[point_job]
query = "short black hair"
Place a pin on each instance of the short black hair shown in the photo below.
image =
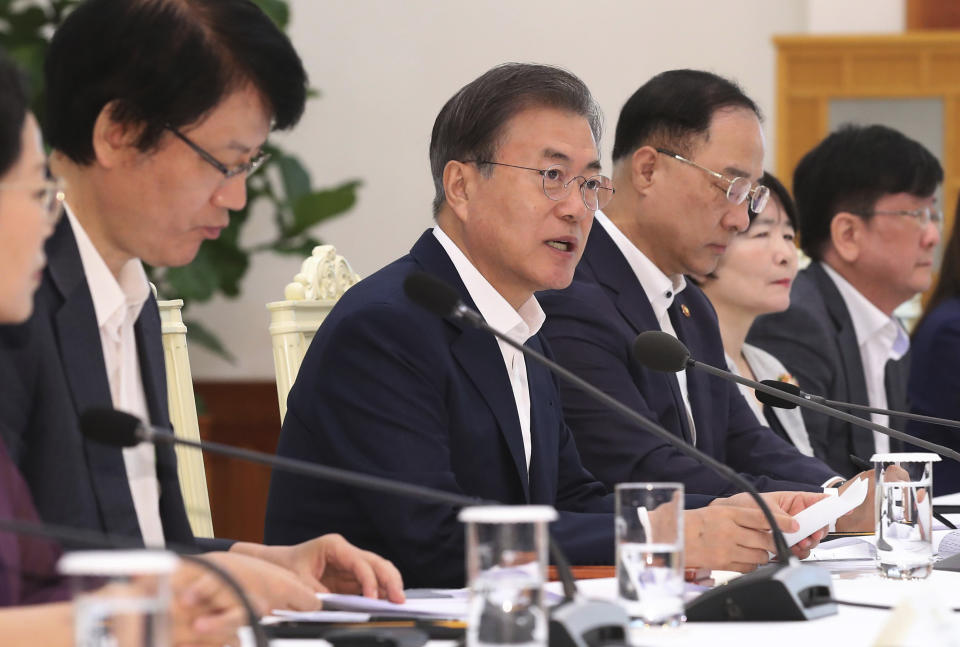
(672, 108)
(850, 170)
(13, 112)
(164, 62)
(471, 123)
(780, 193)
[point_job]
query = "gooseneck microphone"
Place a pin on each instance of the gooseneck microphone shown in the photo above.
(777, 401)
(573, 623)
(660, 351)
(784, 591)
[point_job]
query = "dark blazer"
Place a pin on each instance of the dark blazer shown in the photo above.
(934, 386)
(816, 341)
(591, 327)
(52, 369)
(390, 389)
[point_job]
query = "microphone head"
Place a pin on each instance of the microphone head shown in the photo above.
(660, 351)
(110, 427)
(775, 401)
(431, 293)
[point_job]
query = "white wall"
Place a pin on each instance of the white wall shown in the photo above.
(855, 16)
(385, 68)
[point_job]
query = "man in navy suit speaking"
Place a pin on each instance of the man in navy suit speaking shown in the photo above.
(688, 156)
(389, 389)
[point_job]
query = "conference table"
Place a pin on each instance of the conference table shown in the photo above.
(922, 613)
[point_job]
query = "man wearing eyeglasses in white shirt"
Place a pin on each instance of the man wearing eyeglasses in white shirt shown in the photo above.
(157, 112)
(870, 223)
(688, 157)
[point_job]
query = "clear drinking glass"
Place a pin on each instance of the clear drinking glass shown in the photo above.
(649, 534)
(904, 517)
(506, 568)
(121, 598)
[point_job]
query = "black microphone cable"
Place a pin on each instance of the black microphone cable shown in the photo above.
(118, 428)
(781, 591)
(660, 351)
(433, 294)
(776, 401)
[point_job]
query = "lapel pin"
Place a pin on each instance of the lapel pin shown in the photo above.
(684, 309)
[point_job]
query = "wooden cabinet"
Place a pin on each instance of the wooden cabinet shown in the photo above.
(812, 71)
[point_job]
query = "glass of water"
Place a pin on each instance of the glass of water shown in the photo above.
(904, 518)
(649, 535)
(121, 598)
(506, 568)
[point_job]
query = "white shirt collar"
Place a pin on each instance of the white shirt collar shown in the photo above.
(870, 324)
(520, 324)
(113, 300)
(659, 288)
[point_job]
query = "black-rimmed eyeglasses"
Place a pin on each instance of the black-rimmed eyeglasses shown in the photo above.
(596, 190)
(247, 167)
(738, 188)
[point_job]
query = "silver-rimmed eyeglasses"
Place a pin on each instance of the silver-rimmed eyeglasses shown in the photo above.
(596, 190)
(247, 167)
(49, 194)
(924, 215)
(738, 188)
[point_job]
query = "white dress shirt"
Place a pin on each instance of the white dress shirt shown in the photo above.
(660, 290)
(880, 338)
(118, 302)
(519, 325)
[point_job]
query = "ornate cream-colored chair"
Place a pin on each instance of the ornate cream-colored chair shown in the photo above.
(183, 415)
(322, 279)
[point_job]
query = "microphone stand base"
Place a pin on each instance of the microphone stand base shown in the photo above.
(587, 623)
(774, 592)
(951, 563)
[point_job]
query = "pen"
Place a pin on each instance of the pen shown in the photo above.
(859, 462)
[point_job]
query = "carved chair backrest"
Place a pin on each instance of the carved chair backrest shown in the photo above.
(323, 278)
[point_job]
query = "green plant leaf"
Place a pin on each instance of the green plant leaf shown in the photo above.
(278, 11)
(194, 283)
(200, 335)
(230, 264)
(320, 205)
(221, 264)
(26, 26)
(296, 179)
(302, 249)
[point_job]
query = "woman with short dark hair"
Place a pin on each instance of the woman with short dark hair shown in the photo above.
(754, 278)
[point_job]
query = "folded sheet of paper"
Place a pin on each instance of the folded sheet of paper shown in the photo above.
(826, 511)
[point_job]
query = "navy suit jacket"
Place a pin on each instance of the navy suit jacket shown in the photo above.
(591, 327)
(934, 386)
(52, 369)
(816, 341)
(390, 389)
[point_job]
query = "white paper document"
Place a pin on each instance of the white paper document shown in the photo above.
(450, 605)
(826, 511)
